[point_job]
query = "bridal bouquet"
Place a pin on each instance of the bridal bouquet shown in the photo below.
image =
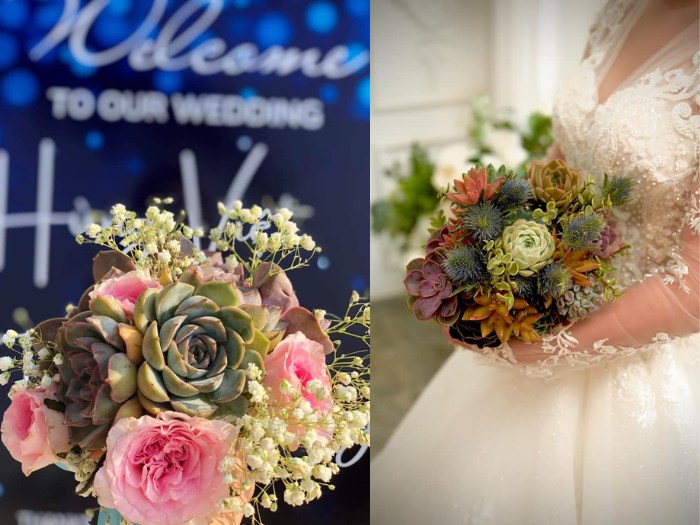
(189, 386)
(519, 254)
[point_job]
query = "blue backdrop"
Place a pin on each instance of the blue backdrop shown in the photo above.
(109, 101)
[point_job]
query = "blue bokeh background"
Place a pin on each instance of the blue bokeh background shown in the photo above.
(106, 163)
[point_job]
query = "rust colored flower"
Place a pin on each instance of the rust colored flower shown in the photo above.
(494, 315)
(473, 184)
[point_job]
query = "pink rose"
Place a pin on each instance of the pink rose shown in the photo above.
(32, 432)
(165, 470)
(125, 288)
(298, 360)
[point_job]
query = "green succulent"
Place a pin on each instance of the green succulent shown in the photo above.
(530, 245)
(197, 344)
(579, 302)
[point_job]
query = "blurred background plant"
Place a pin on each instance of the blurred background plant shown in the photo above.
(495, 136)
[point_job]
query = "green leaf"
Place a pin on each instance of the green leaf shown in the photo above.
(152, 351)
(196, 406)
(121, 377)
(145, 309)
(169, 298)
(230, 388)
(151, 385)
(238, 321)
(222, 293)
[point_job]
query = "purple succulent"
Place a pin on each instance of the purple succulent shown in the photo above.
(609, 241)
(430, 292)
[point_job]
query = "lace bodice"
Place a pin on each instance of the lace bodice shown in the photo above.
(648, 129)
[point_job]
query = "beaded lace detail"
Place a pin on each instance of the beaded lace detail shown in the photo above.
(649, 130)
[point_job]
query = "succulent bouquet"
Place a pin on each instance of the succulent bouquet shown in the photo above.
(188, 386)
(521, 253)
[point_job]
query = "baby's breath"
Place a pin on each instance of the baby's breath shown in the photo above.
(255, 236)
(154, 242)
(298, 465)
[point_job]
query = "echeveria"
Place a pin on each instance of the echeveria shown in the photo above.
(530, 244)
(197, 344)
(553, 181)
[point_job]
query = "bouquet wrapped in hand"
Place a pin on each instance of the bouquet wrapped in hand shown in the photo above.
(188, 386)
(520, 255)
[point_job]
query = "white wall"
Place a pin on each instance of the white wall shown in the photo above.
(429, 57)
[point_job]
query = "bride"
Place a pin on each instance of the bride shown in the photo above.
(600, 423)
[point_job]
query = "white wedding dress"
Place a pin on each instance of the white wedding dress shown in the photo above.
(606, 435)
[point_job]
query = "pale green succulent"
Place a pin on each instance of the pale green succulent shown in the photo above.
(530, 245)
(197, 344)
(579, 302)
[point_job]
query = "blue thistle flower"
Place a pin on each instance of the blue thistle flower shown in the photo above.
(483, 221)
(619, 189)
(465, 265)
(525, 287)
(554, 279)
(513, 194)
(582, 230)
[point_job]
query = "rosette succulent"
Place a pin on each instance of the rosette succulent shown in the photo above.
(530, 245)
(197, 344)
(430, 292)
(473, 186)
(553, 181)
(98, 374)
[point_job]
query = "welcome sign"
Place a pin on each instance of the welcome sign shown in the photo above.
(111, 101)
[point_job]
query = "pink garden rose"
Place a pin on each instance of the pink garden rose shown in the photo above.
(165, 470)
(125, 288)
(32, 432)
(298, 360)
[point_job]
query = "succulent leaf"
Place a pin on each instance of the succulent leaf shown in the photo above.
(220, 292)
(121, 377)
(151, 385)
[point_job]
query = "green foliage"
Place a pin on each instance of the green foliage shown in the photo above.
(537, 139)
(413, 198)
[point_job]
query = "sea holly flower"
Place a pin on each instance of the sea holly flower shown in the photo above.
(483, 221)
(465, 265)
(430, 292)
(582, 230)
(469, 190)
(553, 181)
(553, 280)
(530, 244)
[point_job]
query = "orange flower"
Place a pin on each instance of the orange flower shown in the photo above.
(469, 189)
(493, 313)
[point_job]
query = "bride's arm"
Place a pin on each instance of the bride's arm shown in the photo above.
(645, 310)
